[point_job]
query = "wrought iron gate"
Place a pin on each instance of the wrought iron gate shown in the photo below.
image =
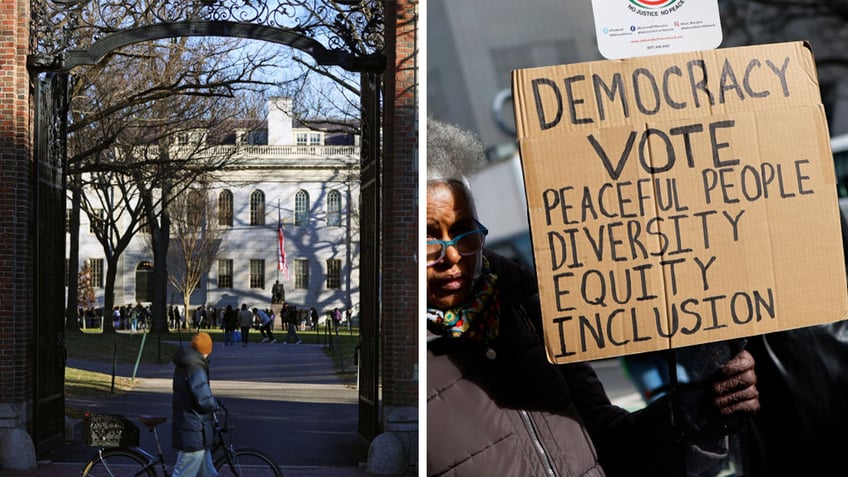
(354, 32)
(50, 93)
(369, 323)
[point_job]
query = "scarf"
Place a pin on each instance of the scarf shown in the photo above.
(477, 319)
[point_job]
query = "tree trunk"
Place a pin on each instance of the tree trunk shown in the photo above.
(71, 310)
(109, 295)
(161, 241)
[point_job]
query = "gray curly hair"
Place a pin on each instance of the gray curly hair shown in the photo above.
(453, 154)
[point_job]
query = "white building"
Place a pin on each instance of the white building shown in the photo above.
(288, 175)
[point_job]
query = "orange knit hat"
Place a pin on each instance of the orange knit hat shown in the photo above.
(202, 342)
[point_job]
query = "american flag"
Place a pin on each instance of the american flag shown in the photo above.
(281, 258)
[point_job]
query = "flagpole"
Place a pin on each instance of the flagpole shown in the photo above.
(279, 225)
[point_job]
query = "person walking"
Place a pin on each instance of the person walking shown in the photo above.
(290, 316)
(264, 325)
(337, 318)
(245, 318)
(230, 321)
(116, 317)
(192, 428)
(314, 316)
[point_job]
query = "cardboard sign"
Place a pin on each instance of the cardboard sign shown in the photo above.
(630, 28)
(679, 199)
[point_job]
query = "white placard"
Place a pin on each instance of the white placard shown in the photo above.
(631, 28)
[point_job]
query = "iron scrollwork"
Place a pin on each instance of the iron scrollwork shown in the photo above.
(353, 27)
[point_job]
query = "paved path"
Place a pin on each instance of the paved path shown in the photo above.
(284, 399)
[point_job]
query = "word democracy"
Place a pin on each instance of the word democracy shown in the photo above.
(597, 98)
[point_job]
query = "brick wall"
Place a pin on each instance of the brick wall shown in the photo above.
(16, 204)
(400, 318)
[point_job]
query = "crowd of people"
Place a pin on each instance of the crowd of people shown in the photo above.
(230, 319)
(236, 321)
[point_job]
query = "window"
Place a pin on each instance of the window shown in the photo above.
(96, 219)
(334, 209)
(301, 274)
(225, 208)
(225, 273)
(194, 211)
(67, 269)
(182, 139)
(334, 274)
(257, 273)
(301, 208)
(302, 138)
(68, 215)
(315, 139)
(257, 208)
(96, 265)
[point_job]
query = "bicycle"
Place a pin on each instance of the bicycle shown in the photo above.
(124, 459)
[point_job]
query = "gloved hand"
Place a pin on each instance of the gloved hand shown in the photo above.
(735, 386)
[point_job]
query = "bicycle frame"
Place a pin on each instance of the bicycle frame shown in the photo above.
(228, 450)
(151, 460)
(224, 455)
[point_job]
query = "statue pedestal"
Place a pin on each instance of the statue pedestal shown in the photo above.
(277, 308)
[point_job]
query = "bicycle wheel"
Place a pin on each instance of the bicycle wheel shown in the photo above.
(247, 463)
(118, 463)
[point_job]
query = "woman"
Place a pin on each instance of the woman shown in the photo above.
(230, 322)
(495, 405)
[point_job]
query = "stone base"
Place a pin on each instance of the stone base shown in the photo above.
(396, 450)
(278, 320)
(17, 451)
(387, 455)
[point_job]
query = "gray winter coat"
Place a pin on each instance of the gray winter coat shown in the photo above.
(518, 415)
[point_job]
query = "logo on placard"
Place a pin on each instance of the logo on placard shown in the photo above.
(654, 8)
(652, 4)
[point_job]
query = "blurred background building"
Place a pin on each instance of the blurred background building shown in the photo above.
(473, 45)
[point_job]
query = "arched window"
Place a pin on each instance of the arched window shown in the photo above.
(301, 208)
(334, 209)
(194, 209)
(225, 208)
(257, 208)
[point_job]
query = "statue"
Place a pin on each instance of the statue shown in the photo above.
(278, 293)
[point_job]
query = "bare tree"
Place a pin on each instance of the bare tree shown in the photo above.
(145, 127)
(329, 96)
(114, 210)
(197, 240)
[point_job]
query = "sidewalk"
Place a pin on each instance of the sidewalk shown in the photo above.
(74, 470)
(283, 399)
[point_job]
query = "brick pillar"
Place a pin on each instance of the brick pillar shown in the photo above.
(400, 320)
(16, 239)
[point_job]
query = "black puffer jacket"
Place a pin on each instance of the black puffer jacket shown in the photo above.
(192, 428)
(519, 415)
